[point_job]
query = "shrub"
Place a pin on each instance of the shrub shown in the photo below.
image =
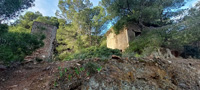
(92, 67)
(94, 52)
(3, 28)
(121, 23)
(174, 37)
(17, 45)
(145, 43)
(191, 51)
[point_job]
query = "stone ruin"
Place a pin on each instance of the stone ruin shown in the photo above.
(45, 52)
(121, 41)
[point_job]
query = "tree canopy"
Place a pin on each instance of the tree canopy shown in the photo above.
(86, 19)
(12, 8)
(142, 11)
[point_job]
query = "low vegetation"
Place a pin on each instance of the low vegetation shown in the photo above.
(14, 46)
(94, 52)
(180, 37)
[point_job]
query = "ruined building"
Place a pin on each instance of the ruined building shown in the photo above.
(45, 52)
(121, 41)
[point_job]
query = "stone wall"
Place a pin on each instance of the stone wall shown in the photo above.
(121, 41)
(45, 52)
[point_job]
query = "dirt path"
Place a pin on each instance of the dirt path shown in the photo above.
(31, 76)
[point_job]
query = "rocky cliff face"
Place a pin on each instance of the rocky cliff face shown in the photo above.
(45, 52)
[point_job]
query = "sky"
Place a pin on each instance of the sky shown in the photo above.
(49, 7)
(188, 5)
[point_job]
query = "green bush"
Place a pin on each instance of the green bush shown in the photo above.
(191, 51)
(122, 23)
(94, 52)
(146, 43)
(3, 28)
(92, 67)
(15, 46)
(174, 37)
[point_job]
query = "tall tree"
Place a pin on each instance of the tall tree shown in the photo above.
(12, 8)
(86, 20)
(25, 22)
(143, 11)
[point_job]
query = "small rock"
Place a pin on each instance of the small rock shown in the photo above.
(78, 64)
(14, 86)
(46, 69)
(115, 57)
(2, 67)
(3, 80)
(183, 85)
(170, 61)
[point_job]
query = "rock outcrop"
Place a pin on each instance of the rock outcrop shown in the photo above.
(45, 52)
(121, 41)
(132, 74)
(162, 53)
(111, 74)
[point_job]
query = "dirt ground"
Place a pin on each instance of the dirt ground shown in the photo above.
(30, 76)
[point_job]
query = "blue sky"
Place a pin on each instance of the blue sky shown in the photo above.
(189, 4)
(49, 7)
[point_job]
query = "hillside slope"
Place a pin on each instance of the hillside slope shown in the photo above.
(115, 74)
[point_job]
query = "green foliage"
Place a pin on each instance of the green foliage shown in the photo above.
(94, 52)
(60, 73)
(77, 71)
(99, 69)
(145, 12)
(70, 42)
(69, 76)
(82, 69)
(26, 21)
(93, 67)
(191, 51)
(82, 21)
(65, 70)
(149, 39)
(122, 23)
(17, 45)
(55, 84)
(176, 37)
(12, 8)
(3, 28)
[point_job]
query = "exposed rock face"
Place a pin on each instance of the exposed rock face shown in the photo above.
(45, 52)
(133, 74)
(162, 53)
(121, 40)
(115, 74)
